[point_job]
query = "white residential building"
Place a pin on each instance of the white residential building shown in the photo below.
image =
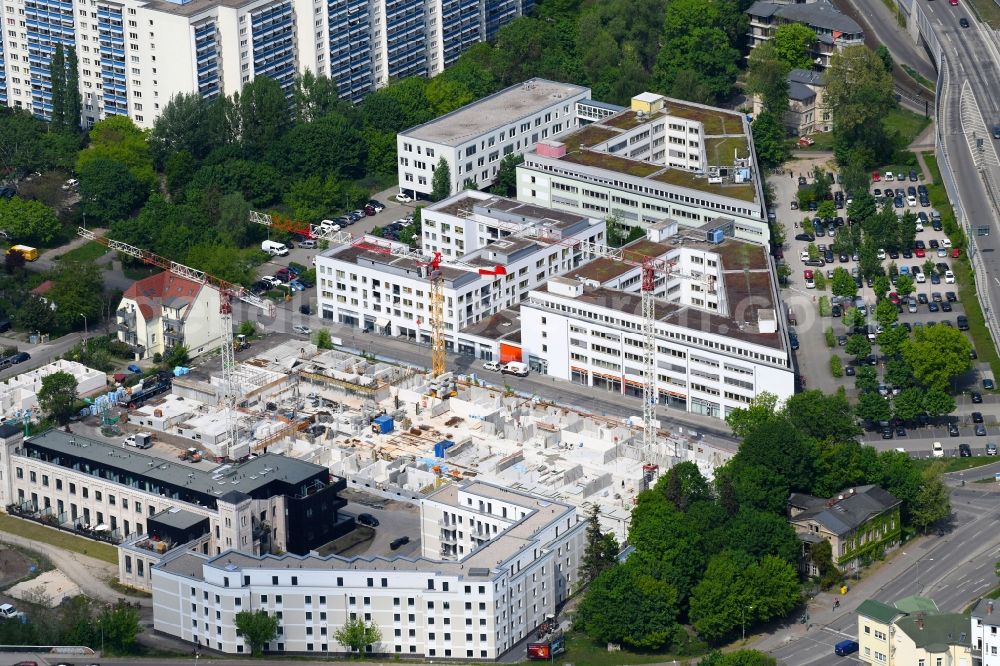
(164, 310)
(20, 392)
(720, 336)
(149, 505)
(389, 295)
(475, 138)
(661, 159)
(134, 55)
(494, 563)
(985, 633)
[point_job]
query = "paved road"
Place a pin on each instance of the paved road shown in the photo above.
(954, 569)
(973, 61)
(41, 354)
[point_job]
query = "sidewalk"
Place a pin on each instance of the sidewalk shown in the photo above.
(821, 610)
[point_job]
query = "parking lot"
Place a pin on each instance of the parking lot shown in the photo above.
(937, 304)
(393, 211)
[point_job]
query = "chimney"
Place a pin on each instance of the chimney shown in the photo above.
(989, 607)
(920, 621)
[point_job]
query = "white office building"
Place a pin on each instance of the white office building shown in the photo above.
(720, 336)
(495, 250)
(475, 138)
(134, 55)
(494, 563)
(660, 159)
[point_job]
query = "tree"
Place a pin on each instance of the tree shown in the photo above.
(13, 262)
(684, 485)
(117, 139)
(601, 551)
(119, 626)
(758, 533)
(858, 345)
(631, 603)
(891, 341)
(883, 53)
(820, 415)
(859, 97)
(28, 221)
(57, 78)
(908, 230)
(932, 503)
(357, 635)
(74, 103)
(843, 283)
(34, 314)
(937, 402)
(698, 65)
(868, 261)
(827, 210)
(57, 396)
(326, 146)
(323, 339)
(793, 43)
(937, 354)
(777, 445)
(738, 658)
(445, 95)
(263, 116)
(441, 180)
(909, 404)
(313, 97)
(904, 285)
(866, 380)
(886, 313)
(75, 291)
(767, 77)
(873, 407)
(821, 556)
(769, 138)
(746, 419)
(175, 356)
(506, 183)
(258, 628)
(185, 125)
(109, 191)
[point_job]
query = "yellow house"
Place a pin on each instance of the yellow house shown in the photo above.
(931, 640)
(875, 621)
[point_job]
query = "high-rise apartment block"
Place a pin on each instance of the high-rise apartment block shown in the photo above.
(134, 55)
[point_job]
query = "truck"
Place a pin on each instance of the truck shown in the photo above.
(148, 388)
(515, 368)
(191, 455)
(274, 248)
(140, 440)
(29, 253)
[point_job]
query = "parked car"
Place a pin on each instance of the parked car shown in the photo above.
(937, 450)
(844, 648)
(492, 365)
(396, 544)
(403, 198)
(988, 384)
(964, 451)
(991, 449)
(980, 430)
(977, 397)
(368, 519)
(302, 330)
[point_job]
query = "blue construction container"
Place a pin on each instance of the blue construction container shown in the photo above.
(383, 424)
(441, 447)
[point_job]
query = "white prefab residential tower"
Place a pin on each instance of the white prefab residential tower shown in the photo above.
(134, 55)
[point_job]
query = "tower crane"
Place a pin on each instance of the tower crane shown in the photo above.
(313, 231)
(227, 292)
(435, 276)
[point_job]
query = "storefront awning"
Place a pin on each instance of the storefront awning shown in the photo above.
(381, 322)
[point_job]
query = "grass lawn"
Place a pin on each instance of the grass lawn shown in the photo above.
(918, 77)
(988, 11)
(58, 538)
(86, 253)
(582, 650)
(905, 125)
(964, 276)
(956, 464)
(138, 272)
(824, 142)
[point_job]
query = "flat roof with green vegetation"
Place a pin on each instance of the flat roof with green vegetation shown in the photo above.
(722, 150)
(715, 121)
(613, 163)
(590, 135)
(681, 178)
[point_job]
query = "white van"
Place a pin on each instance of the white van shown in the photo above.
(141, 440)
(274, 248)
(327, 226)
(515, 368)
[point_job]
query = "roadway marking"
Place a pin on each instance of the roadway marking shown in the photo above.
(838, 632)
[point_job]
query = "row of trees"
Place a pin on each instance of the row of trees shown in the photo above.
(720, 555)
(77, 621)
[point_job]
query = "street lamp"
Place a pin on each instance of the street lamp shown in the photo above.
(743, 620)
(85, 335)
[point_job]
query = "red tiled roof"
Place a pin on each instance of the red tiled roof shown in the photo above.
(161, 289)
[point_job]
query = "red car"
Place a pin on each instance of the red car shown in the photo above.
(956, 253)
(919, 252)
(894, 298)
(876, 176)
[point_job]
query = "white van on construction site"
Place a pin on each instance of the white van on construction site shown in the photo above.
(140, 440)
(274, 248)
(515, 368)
